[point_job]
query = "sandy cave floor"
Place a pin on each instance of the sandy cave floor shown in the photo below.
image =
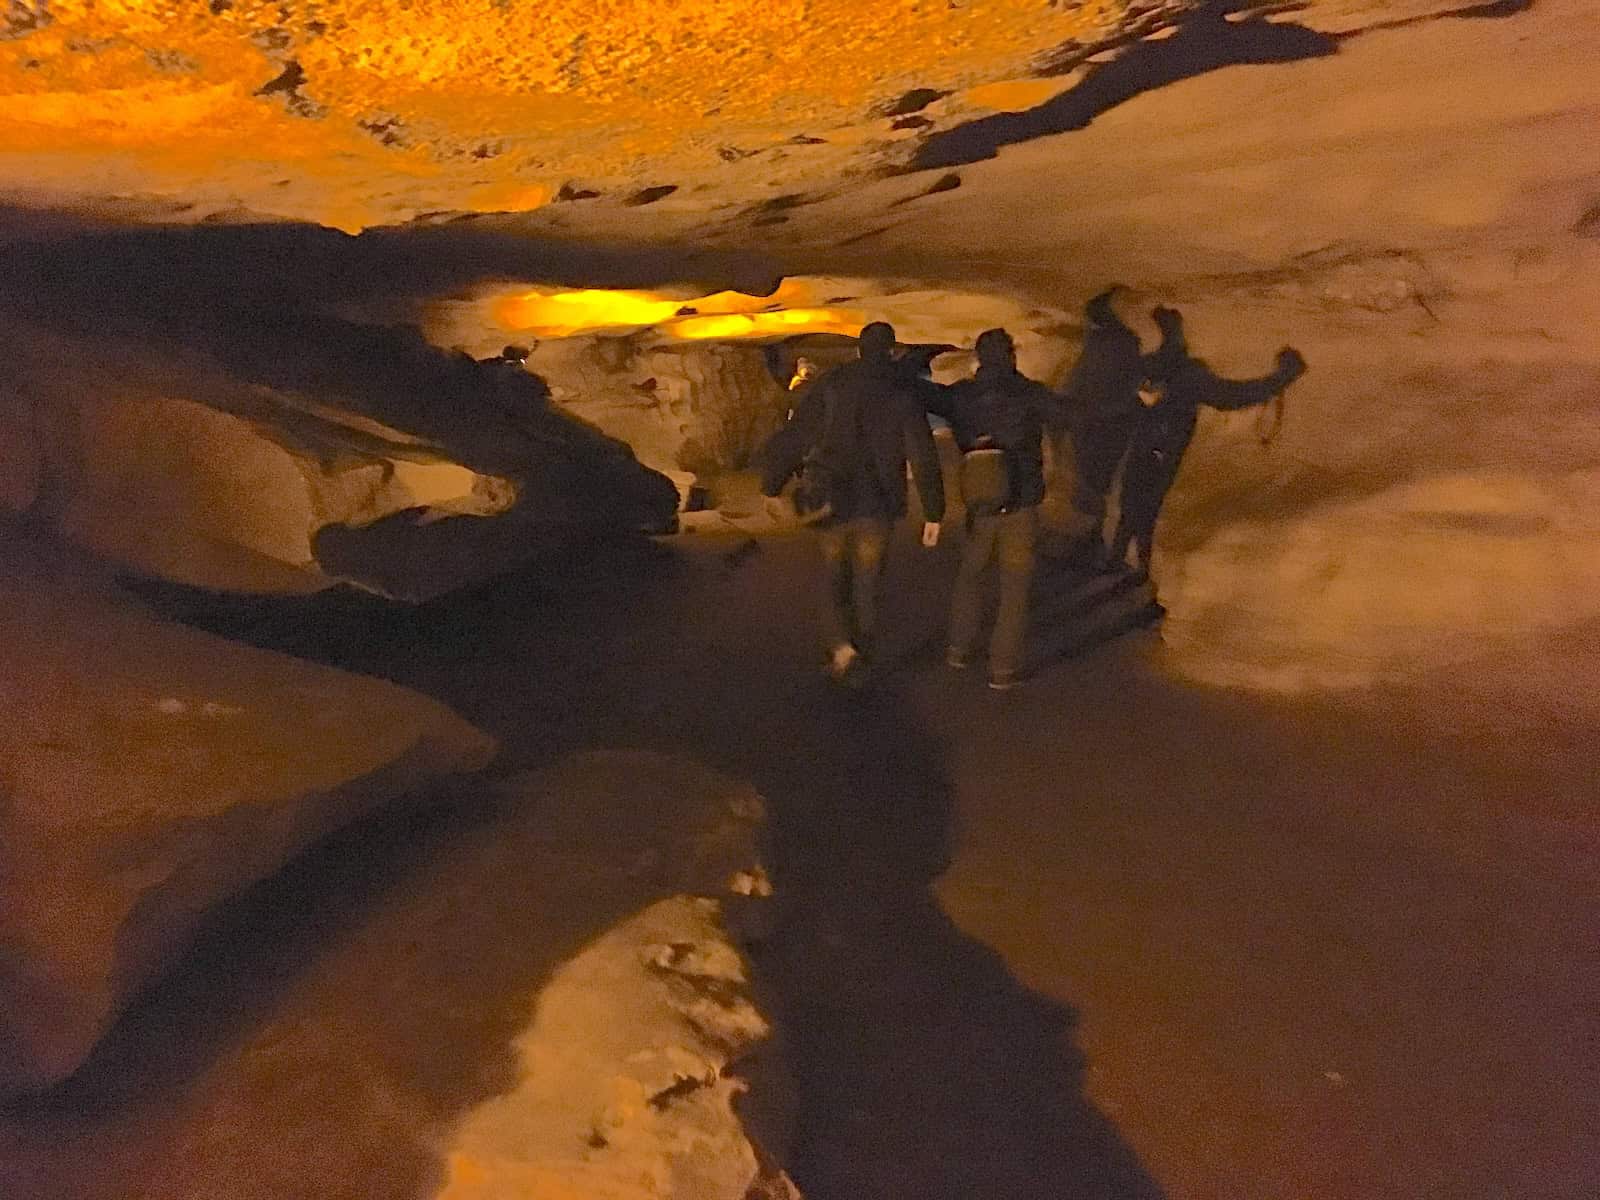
(1107, 936)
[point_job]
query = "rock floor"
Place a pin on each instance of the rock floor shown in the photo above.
(1107, 936)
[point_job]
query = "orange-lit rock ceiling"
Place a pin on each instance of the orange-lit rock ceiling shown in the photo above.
(354, 112)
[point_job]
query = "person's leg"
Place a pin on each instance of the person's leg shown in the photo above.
(966, 601)
(1016, 535)
(836, 614)
(869, 542)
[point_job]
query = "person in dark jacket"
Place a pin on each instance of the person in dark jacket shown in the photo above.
(860, 423)
(999, 408)
(1103, 395)
(1176, 385)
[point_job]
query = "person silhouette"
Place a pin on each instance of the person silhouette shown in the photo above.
(1175, 385)
(1102, 395)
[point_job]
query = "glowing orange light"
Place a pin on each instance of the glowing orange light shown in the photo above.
(556, 314)
(763, 324)
(561, 314)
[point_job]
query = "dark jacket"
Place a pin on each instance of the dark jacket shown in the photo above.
(1102, 395)
(868, 418)
(1104, 385)
(1163, 431)
(1189, 383)
(1003, 408)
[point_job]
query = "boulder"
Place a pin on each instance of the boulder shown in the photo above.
(184, 467)
(149, 772)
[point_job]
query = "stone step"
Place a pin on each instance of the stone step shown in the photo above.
(1063, 594)
(1098, 610)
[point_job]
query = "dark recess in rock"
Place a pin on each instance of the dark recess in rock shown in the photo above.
(1588, 225)
(682, 1087)
(915, 100)
(1494, 9)
(782, 203)
(912, 123)
(218, 7)
(389, 130)
(568, 192)
(287, 83)
(945, 183)
(801, 139)
(650, 195)
(771, 219)
(22, 18)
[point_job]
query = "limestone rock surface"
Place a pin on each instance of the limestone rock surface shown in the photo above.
(150, 772)
(538, 990)
(221, 467)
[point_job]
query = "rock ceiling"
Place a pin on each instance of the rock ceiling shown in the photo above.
(354, 113)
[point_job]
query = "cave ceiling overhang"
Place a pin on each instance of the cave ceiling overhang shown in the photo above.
(356, 113)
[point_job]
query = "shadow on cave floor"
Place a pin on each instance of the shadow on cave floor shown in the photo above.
(924, 1068)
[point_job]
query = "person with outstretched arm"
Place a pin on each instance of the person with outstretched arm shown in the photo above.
(1176, 385)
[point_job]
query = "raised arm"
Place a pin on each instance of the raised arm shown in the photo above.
(1231, 395)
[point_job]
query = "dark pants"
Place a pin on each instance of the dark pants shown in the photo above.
(853, 551)
(1146, 480)
(1098, 447)
(1009, 539)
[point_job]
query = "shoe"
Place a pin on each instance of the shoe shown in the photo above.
(1004, 681)
(957, 660)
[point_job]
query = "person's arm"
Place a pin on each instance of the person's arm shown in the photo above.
(785, 450)
(923, 454)
(1231, 395)
(937, 398)
(1051, 408)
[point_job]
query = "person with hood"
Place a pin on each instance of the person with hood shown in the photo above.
(850, 439)
(1103, 395)
(998, 410)
(1176, 384)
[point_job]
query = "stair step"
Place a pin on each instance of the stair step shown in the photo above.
(1107, 616)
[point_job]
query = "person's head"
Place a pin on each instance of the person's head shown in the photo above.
(877, 342)
(1099, 311)
(515, 355)
(995, 349)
